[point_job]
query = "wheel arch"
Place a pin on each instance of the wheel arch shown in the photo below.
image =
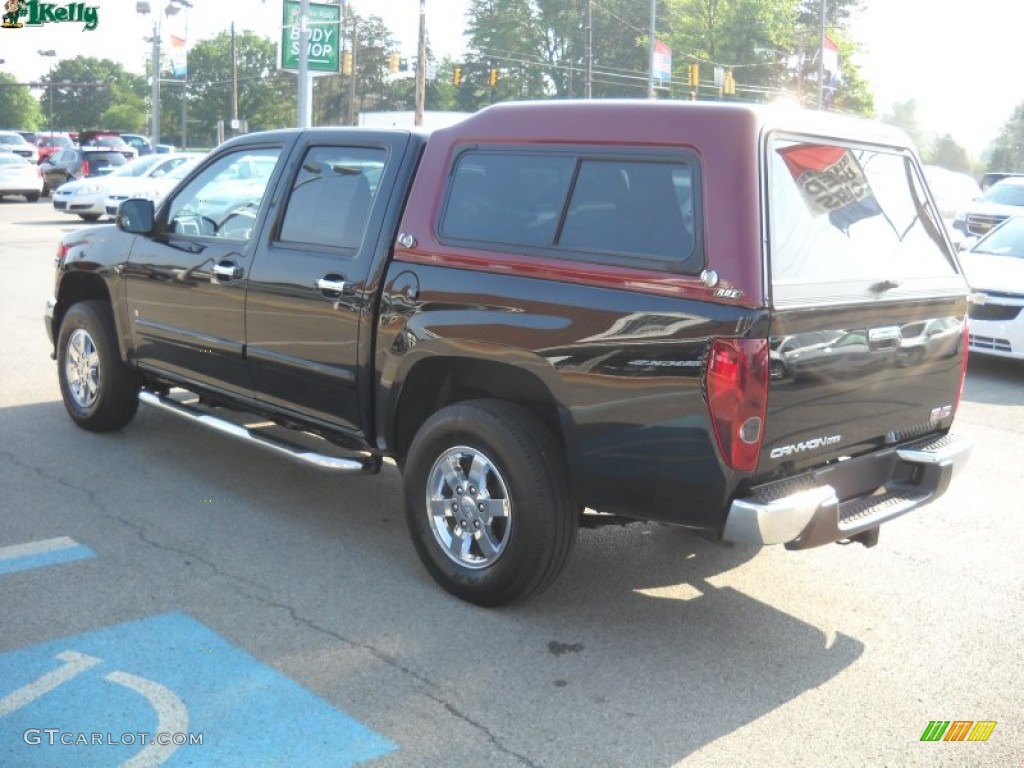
(436, 382)
(77, 286)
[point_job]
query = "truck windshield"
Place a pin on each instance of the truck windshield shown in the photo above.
(848, 223)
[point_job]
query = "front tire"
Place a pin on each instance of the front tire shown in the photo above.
(488, 503)
(100, 392)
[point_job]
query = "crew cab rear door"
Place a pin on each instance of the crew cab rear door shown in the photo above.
(312, 291)
(868, 304)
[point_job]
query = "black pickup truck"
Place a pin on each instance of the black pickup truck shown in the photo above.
(710, 316)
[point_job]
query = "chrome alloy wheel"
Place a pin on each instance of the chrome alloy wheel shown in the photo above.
(82, 366)
(469, 507)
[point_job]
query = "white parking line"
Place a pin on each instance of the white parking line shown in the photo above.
(36, 554)
(74, 665)
(172, 717)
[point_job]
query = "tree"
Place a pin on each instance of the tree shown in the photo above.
(904, 115)
(771, 46)
(17, 105)
(751, 37)
(1007, 151)
(266, 96)
(84, 89)
(949, 154)
(370, 78)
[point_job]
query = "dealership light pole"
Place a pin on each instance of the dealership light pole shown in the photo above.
(143, 7)
(421, 66)
(52, 54)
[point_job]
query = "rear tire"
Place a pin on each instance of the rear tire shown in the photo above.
(32, 197)
(487, 502)
(100, 392)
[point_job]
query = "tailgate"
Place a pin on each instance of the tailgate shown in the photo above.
(847, 381)
(867, 337)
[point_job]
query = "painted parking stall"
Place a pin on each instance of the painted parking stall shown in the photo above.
(38, 554)
(166, 690)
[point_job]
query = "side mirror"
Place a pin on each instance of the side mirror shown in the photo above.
(136, 216)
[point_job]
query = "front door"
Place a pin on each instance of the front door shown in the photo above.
(185, 285)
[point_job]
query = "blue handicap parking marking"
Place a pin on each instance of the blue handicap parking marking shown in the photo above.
(37, 554)
(103, 698)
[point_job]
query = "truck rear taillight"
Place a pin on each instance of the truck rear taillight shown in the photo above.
(85, 167)
(737, 386)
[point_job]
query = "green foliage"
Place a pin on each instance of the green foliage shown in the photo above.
(18, 109)
(266, 96)
(770, 45)
(84, 89)
(948, 154)
(904, 115)
(126, 117)
(331, 94)
(1007, 152)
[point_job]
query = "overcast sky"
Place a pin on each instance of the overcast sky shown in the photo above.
(962, 68)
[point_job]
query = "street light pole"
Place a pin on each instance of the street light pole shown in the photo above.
(142, 7)
(650, 57)
(421, 67)
(303, 75)
(821, 58)
(52, 54)
(155, 92)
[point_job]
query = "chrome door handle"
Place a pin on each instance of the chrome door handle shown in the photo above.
(329, 285)
(226, 270)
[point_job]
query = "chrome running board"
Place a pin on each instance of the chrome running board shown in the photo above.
(350, 465)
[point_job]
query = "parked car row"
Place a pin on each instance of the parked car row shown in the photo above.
(39, 146)
(86, 196)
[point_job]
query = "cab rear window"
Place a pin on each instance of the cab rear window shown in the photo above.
(848, 223)
(634, 210)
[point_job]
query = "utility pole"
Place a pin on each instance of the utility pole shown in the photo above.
(421, 66)
(650, 58)
(304, 87)
(234, 79)
(352, 115)
(155, 94)
(821, 58)
(588, 53)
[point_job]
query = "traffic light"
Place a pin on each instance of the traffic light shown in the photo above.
(457, 76)
(693, 78)
(729, 85)
(346, 63)
(393, 60)
(492, 78)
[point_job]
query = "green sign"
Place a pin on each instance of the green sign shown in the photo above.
(324, 37)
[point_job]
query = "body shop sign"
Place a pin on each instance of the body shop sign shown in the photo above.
(324, 37)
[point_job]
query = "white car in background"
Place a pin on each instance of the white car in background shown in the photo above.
(953, 192)
(150, 187)
(995, 269)
(19, 176)
(999, 202)
(86, 197)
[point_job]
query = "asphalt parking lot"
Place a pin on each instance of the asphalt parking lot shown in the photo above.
(166, 580)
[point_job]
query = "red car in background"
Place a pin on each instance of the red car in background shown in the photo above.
(48, 143)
